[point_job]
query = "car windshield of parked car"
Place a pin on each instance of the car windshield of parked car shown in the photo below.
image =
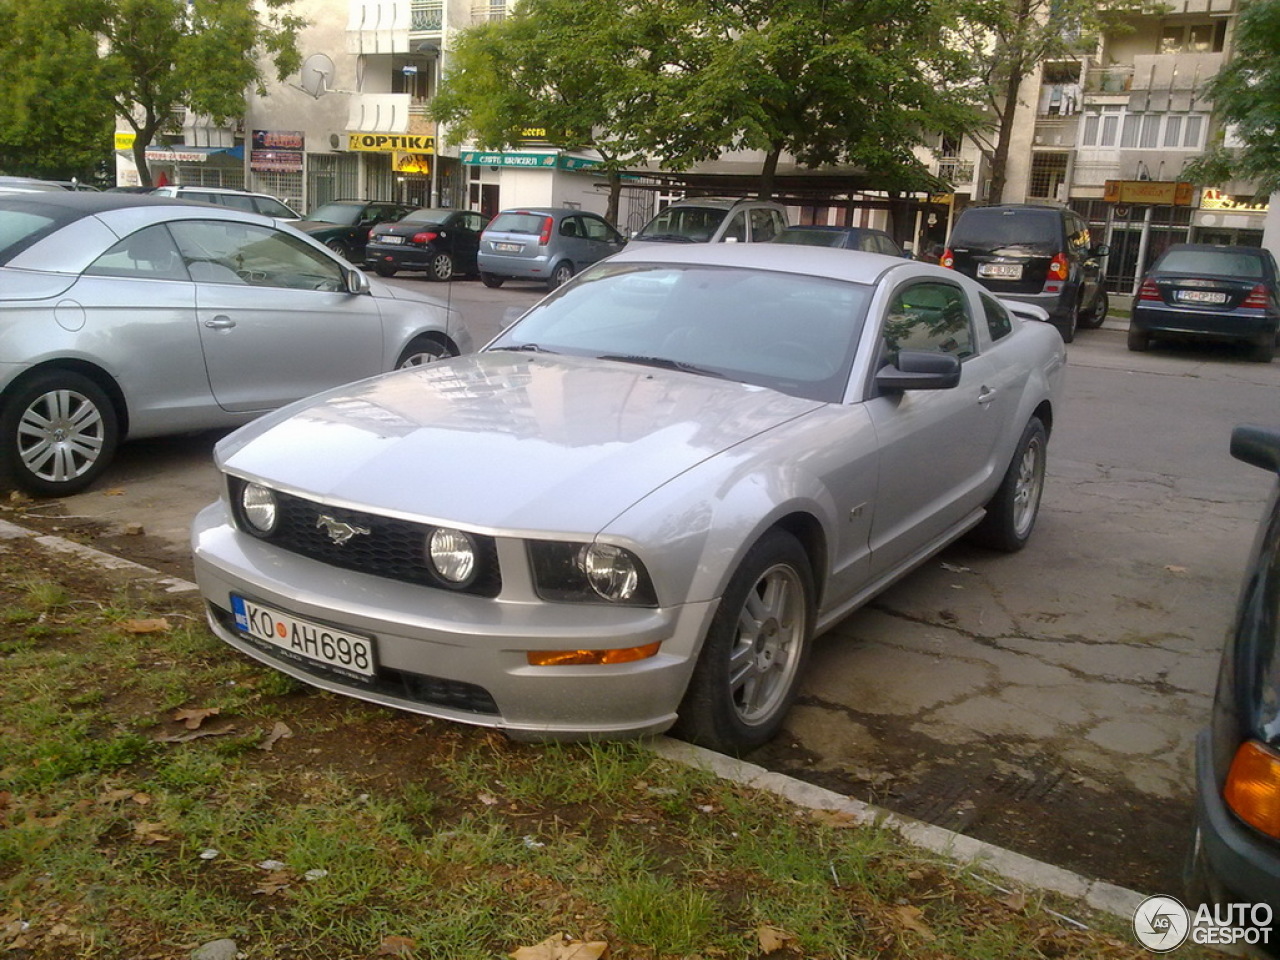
(683, 225)
(1212, 263)
(344, 214)
(810, 238)
(791, 333)
(1032, 231)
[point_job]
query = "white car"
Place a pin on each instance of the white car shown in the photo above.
(635, 508)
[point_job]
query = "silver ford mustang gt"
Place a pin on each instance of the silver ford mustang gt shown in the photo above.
(635, 508)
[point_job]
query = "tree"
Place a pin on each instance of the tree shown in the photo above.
(139, 59)
(1246, 95)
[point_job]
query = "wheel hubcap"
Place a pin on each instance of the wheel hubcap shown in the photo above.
(60, 436)
(766, 652)
(1026, 492)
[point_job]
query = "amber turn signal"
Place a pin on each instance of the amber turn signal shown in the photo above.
(574, 658)
(1252, 790)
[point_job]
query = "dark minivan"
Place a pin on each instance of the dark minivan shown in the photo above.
(1037, 254)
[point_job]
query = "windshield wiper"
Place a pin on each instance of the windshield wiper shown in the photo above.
(666, 363)
(523, 347)
(666, 237)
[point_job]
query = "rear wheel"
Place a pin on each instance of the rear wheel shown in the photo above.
(489, 280)
(1011, 514)
(58, 432)
(1138, 340)
(421, 351)
(441, 267)
(1094, 319)
(561, 275)
(1264, 351)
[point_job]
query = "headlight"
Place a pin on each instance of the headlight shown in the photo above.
(453, 555)
(258, 507)
(589, 572)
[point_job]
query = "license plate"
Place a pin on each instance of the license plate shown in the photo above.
(1000, 271)
(391, 238)
(1199, 296)
(508, 247)
(303, 639)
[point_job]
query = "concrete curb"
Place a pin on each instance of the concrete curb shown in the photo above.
(1108, 898)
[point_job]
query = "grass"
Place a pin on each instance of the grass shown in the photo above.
(151, 802)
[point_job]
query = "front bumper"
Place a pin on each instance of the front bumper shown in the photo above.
(461, 657)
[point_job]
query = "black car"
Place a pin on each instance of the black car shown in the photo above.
(1236, 853)
(343, 225)
(441, 242)
(846, 238)
(1209, 292)
(1037, 254)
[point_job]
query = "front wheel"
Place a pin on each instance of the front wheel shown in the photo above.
(751, 659)
(421, 351)
(561, 275)
(58, 432)
(340, 248)
(441, 267)
(489, 280)
(1011, 514)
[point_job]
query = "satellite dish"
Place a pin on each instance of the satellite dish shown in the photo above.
(316, 75)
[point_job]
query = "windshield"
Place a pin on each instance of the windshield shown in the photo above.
(1036, 231)
(341, 213)
(683, 224)
(795, 334)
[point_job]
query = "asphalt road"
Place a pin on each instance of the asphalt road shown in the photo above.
(1046, 701)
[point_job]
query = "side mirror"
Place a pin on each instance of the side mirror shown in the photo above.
(1100, 250)
(920, 370)
(1256, 446)
(357, 282)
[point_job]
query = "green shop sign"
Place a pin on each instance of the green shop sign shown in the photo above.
(539, 161)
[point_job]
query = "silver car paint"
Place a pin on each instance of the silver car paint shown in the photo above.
(732, 462)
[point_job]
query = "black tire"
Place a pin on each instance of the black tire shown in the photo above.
(441, 267)
(1011, 514)
(560, 275)
(423, 350)
(58, 432)
(489, 280)
(1264, 351)
(385, 270)
(754, 651)
(1095, 318)
(1138, 339)
(1067, 328)
(340, 248)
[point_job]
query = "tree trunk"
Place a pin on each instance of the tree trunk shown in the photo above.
(615, 195)
(1012, 89)
(769, 173)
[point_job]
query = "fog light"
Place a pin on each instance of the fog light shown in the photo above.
(1252, 790)
(258, 507)
(576, 658)
(453, 555)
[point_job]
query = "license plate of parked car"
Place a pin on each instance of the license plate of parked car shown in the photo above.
(1201, 296)
(303, 638)
(1000, 271)
(391, 239)
(507, 247)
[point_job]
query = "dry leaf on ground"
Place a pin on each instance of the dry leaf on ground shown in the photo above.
(155, 625)
(395, 947)
(772, 939)
(559, 947)
(911, 918)
(278, 732)
(192, 717)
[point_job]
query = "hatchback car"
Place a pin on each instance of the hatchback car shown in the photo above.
(1037, 254)
(550, 244)
(715, 220)
(441, 242)
(127, 316)
(343, 225)
(1206, 292)
(1235, 856)
(261, 203)
(846, 238)
(636, 507)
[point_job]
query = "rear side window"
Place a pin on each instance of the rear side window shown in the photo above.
(998, 322)
(1033, 231)
(1214, 263)
(18, 226)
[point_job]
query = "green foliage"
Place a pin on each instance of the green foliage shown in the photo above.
(70, 67)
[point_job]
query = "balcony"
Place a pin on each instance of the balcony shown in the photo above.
(426, 17)
(1108, 80)
(955, 171)
(491, 10)
(1175, 72)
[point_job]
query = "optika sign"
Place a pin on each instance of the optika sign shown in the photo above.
(1162, 924)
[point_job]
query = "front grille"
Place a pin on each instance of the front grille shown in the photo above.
(402, 684)
(392, 548)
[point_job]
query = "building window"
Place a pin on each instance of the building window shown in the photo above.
(1048, 173)
(1193, 37)
(1151, 131)
(1101, 127)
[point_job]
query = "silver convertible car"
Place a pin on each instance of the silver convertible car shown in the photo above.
(635, 508)
(125, 316)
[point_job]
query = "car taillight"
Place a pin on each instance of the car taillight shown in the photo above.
(1258, 298)
(1059, 267)
(425, 237)
(547, 224)
(948, 260)
(1149, 291)
(1252, 790)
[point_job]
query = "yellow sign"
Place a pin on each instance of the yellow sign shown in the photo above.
(391, 142)
(410, 163)
(124, 141)
(1217, 200)
(1175, 193)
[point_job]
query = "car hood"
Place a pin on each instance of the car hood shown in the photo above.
(504, 441)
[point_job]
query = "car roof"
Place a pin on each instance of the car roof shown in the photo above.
(826, 228)
(852, 265)
(1250, 251)
(725, 202)
(87, 202)
(547, 211)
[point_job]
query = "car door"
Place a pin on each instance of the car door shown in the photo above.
(276, 322)
(596, 239)
(464, 230)
(935, 445)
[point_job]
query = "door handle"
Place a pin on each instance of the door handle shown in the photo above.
(220, 322)
(986, 395)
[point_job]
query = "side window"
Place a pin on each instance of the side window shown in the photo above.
(867, 242)
(737, 228)
(928, 316)
(1078, 235)
(475, 222)
(217, 251)
(598, 230)
(236, 202)
(273, 208)
(149, 254)
(571, 227)
(998, 322)
(888, 247)
(764, 226)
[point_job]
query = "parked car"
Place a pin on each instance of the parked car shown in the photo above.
(261, 203)
(28, 185)
(1037, 254)
(1235, 855)
(441, 242)
(1205, 292)
(129, 316)
(343, 225)
(715, 220)
(846, 238)
(550, 244)
(636, 507)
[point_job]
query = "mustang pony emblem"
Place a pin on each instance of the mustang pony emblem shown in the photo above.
(339, 532)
